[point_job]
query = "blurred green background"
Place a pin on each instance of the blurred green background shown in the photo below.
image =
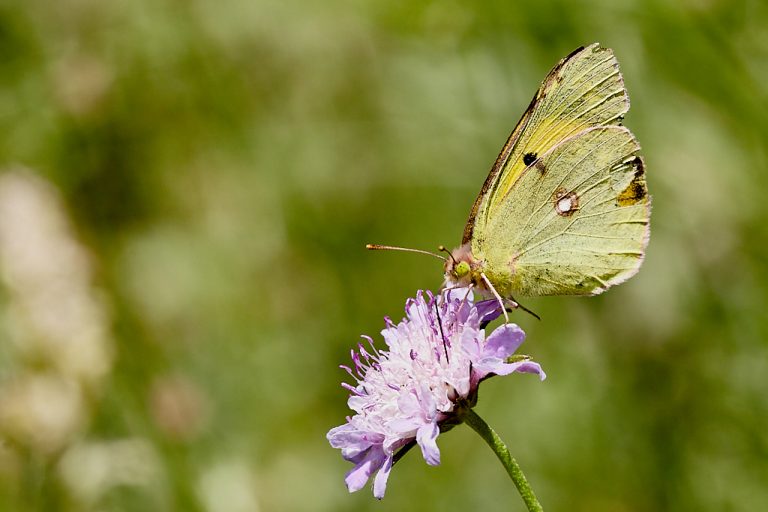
(186, 190)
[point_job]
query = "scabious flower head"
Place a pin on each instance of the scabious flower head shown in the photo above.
(435, 359)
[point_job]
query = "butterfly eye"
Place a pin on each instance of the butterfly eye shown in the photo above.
(461, 269)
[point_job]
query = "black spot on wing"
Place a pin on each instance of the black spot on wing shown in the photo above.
(529, 158)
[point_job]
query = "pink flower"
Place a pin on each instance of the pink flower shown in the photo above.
(433, 362)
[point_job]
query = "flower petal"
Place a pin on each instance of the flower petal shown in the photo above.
(504, 341)
(404, 426)
(460, 294)
(522, 367)
(357, 477)
(488, 310)
(380, 482)
(409, 405)
(352, 441)
(531, 367)
(426, 436)
(472, 344)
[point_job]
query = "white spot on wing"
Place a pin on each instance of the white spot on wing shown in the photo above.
(565, 202)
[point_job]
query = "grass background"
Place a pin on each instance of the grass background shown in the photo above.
(225, 162)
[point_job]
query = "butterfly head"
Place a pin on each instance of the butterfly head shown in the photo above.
(461, 268)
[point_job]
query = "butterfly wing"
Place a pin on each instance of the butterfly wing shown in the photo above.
(584, 89)
(574, 223)
(565, 209)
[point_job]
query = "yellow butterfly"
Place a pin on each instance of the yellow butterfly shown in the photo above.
(565, 209)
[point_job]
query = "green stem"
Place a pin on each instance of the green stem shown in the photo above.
(501, 451)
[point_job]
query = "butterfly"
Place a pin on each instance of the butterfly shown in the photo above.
(565, 208)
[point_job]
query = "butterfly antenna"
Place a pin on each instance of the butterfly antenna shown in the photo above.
(441, 248)
(377, 247)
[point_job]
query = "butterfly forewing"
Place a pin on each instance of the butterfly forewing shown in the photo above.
(584, 90)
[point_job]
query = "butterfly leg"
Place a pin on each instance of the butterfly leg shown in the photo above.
(496, 294)
(513, 304)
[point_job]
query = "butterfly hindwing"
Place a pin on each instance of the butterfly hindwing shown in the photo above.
(575, 222)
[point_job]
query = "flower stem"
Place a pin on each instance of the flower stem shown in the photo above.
(501, 451)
